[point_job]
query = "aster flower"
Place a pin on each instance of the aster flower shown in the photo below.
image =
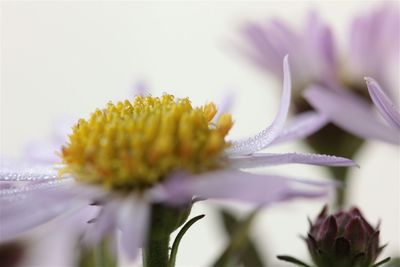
(373, 48)
(331, 80)
(142, 162)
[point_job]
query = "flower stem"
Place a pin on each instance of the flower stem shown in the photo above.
(164, 220)
(156, 253)
(340, 175)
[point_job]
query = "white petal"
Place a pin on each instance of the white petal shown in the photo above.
(268, 135)
(270, 159)
(133, 221)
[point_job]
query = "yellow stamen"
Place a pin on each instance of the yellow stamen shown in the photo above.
(134, 145)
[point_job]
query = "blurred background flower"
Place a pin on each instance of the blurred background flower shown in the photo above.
(331, 78)
(87, 53)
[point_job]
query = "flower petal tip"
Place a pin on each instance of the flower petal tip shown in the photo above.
(350, 163)
(370, 81)
(286, 59)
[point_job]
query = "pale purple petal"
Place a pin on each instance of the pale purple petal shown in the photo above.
(268, 135)
(34, 210)
(320, 49)
(29, 204)
(374, 44)
(104, 223)
(21, 191)
(47, 152)
(312, 50)
(328, 50)
(134, 216)
(350, 113)
(240, 186)
(57, 246)
(263, 52)
(161, 192)
(270, 159)
(42, 152)
(62, 127)
(224, 105)
(26, 171)
(385, 106)
(7, 185)
(302, 126)
(140, 88)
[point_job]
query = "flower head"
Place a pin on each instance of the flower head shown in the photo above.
(131, 157)
(138, 144)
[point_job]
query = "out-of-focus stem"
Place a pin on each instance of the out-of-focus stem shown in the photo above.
(156, 253)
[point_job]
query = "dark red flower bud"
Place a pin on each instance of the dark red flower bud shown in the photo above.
(343, 239)
(327, 233)
(356, 233)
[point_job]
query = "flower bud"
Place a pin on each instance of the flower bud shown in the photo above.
(343, 239)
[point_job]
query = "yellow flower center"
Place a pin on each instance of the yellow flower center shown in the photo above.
(137, 144)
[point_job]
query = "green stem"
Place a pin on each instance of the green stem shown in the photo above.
(341, 175)
(156, 253)
(164, 220)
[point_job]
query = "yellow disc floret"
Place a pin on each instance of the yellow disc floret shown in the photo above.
(136, 144)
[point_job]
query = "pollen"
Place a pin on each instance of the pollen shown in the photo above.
(135, 144)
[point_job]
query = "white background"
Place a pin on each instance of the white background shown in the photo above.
(67, 58)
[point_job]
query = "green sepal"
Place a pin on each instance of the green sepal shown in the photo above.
(250, 256)
(381, 262)
(175, 246)
(394, 262)
(292, 260)
(237, 244)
